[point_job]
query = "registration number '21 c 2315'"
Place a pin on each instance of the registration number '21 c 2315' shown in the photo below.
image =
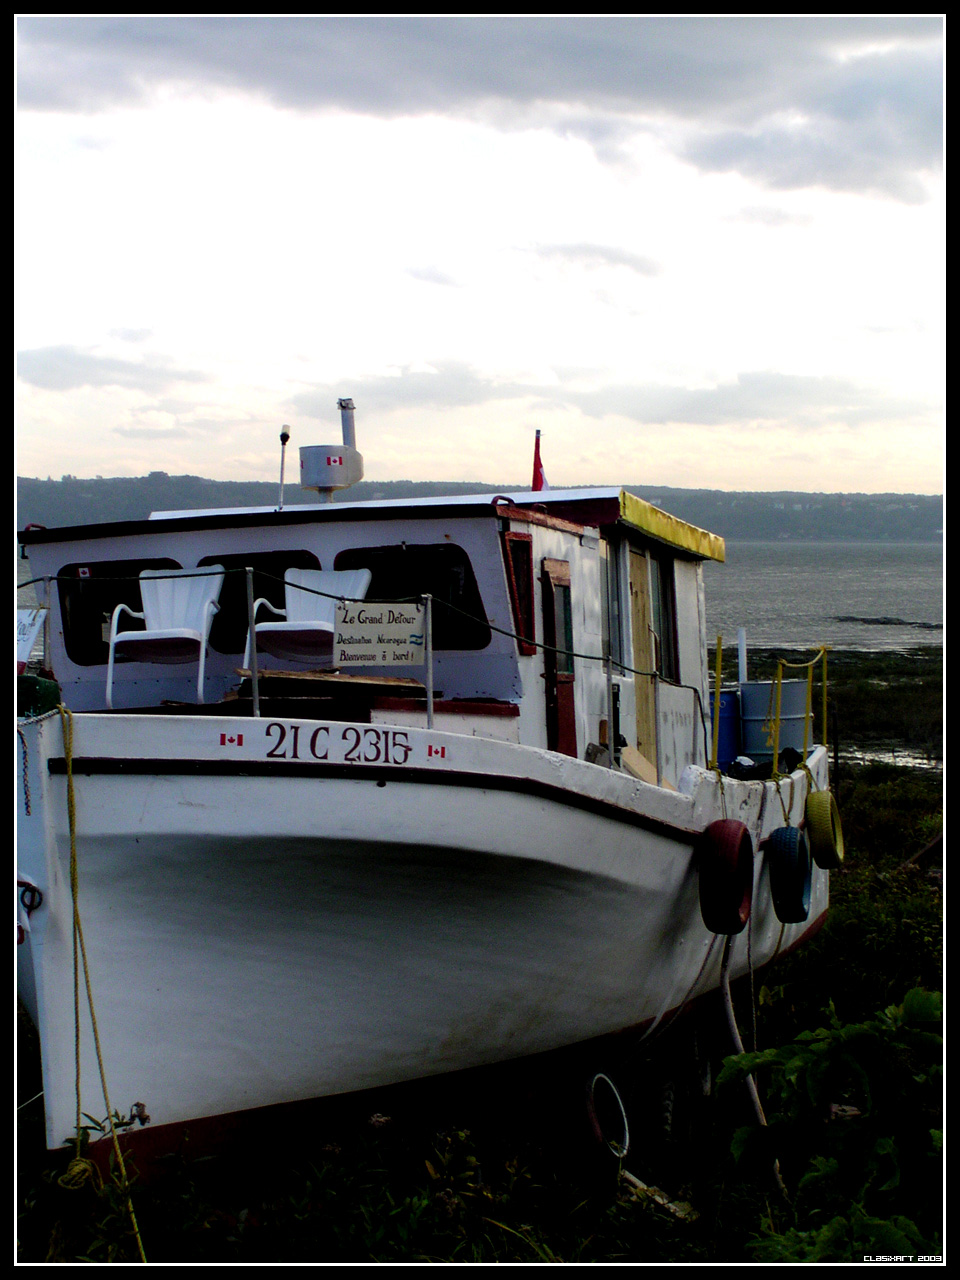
(348, 744)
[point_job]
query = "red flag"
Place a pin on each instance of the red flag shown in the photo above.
(539, 479)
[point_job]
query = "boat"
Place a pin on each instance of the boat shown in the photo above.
(331, 796)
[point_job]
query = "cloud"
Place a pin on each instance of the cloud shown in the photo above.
(600, 255)
(868, 125)
(445, 385)
(751, 399)
(131, 335)
(848, 102)
(153, 433)
(769, 216)
(406, 63)
(64, 368)
(431, 275)
(171, 419)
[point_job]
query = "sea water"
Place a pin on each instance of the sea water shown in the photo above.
(850, 595)
(800, 595)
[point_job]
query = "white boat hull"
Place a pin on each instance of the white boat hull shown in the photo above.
(276, 911)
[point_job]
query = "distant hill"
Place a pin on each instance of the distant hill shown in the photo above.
(805, 517)
(870, 517)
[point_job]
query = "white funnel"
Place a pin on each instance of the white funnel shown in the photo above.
(329, 467)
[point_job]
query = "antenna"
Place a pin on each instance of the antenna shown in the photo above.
(284, 437)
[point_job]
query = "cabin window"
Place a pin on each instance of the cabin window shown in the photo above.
(663, 608)
(564, 612)
(558, 658)
(518, 561)
(612, 611)
(558, 605)
(89, 593)
(443, 571)
(229, 631)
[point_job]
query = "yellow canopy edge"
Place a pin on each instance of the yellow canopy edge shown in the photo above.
(670, 529)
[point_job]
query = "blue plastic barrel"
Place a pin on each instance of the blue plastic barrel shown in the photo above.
(758, 711)
(728, 740)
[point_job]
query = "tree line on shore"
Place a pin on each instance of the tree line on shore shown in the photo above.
(746, 516)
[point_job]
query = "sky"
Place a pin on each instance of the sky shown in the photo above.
(704, 252)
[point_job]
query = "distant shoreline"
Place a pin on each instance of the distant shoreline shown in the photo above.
(738, 517)
(935, 541)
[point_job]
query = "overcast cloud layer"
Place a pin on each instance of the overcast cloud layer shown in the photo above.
(867, 88)
(711, 222)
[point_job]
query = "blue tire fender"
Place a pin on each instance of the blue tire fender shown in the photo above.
(787, 853)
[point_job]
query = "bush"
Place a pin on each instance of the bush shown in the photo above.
(855, 1120)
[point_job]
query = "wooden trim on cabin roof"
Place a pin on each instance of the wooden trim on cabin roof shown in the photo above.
(603, 510)
(528, 515)
(670, 529)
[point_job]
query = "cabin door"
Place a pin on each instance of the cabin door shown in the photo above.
(558, 667)
(644, 653)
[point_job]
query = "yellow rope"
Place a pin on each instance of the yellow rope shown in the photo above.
(808, 713)
(771, 726)
(714, 766)
(777, 779)
(801, 666)
(775, 696)
(716, 704)
(80, 1170)
(778, 690)
(809, 665)
(773, 714)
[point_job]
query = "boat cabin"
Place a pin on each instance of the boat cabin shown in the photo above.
(571, 620)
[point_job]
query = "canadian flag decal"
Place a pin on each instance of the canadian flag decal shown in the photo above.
(436, 751)
(335, 462)
(231, 739)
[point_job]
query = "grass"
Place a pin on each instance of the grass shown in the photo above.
(500, 1165)
(886, 700)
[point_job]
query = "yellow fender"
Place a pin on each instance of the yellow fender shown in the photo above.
(823, 830)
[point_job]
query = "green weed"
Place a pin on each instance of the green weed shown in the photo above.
(854, 1116)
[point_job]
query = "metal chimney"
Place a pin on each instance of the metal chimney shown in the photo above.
(329, 467)
(346, 408)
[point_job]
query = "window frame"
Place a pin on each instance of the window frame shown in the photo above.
(466, 611)
(83, 620)
(663, 615)
(520, 583)
(267, 583)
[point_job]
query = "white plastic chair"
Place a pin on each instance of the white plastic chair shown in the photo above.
(178, 609)
(306, 632)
